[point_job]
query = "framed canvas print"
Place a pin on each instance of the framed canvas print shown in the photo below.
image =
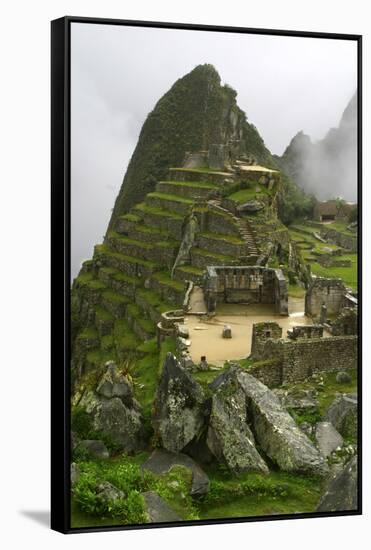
(206, 296)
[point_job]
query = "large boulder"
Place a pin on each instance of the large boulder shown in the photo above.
(94, 448)
(229, 437)
(343, 414)
(251, 206)
(114, 384)
(328, 438)
(114, 411)
(161, 461)
(179, 408)
(342, 490)
(276, 431)
(157, 509)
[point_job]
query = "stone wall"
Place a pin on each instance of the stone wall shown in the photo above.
(294, 361)
(324, 291)
(245, 284)
(348, 242)
(305, 331)
(346, 323)
(261, 332)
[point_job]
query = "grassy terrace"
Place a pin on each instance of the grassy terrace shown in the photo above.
(191, 269)
(220, 237)
(309, 245)
(192, 184)
(164, 278)
(149, 209)
(128, 240)
(167, 197)
(245, 195)
(209, 254)
(88, 280)
(130, 217)
(104, 250)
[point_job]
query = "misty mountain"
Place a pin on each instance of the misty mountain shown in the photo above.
(327, 168)
(197, 111)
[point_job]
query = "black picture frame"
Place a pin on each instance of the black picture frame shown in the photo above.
(60, 265)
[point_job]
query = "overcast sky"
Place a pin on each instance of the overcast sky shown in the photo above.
(284, 84)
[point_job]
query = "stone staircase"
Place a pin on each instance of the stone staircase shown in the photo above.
(244, 229)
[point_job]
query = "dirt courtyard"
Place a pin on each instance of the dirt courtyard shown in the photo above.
(206, 336)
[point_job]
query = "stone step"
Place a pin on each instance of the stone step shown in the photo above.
(189, 273)
(203, 175)
(162, 252)
(170, 290)
(222, 244)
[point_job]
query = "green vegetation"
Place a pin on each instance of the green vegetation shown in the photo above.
(164, 278)
(91, 507)
(189, 117)
(166, 197)
(192, 184)
(150, 209)
(258, 495)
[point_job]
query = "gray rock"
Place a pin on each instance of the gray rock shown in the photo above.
(227, 332)
(179, 406)
(229, 437)
(75, 473)
(161, 461)
(342, 490)
(109, 493)
(183, 331)
(182, 344)
(276, 431)
(343, 413)
(328, 439)
(203, 365)
(94, 448)
(157, 509)
(306, 427)
(298, 399)
(114, 384)
(74, 440)
(123, 424)
(343, 378)
(251, 206)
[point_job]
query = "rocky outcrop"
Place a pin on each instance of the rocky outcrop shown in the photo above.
(157, 509)
(114, 411)
(229, 437)
(179, 408)
(343, 413)
(342, 491)
(161, 461)
(276, 431)
(328, 439)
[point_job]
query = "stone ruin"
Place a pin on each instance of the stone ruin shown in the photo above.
(245, 285)
(330, 292)
(305, 331)
(279, 361)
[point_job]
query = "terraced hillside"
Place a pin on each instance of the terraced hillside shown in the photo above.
(135, 274)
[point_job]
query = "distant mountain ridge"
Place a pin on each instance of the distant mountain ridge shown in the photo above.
(327, 168)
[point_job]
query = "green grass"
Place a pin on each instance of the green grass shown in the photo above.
(130, 217)
(348, 274)
(104, 250)
(167, 197)
(89, 333)
(164, 278)
(102, 314)
(88, 280)
(192, 184)
(251, 494)
(218, 257)
(115, 298)
(128, 240)
(157, 211)
(124, 337)
(193, 270)
(245, 195)
(296, 291)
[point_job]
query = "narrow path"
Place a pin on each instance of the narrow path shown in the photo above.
(197, 301)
